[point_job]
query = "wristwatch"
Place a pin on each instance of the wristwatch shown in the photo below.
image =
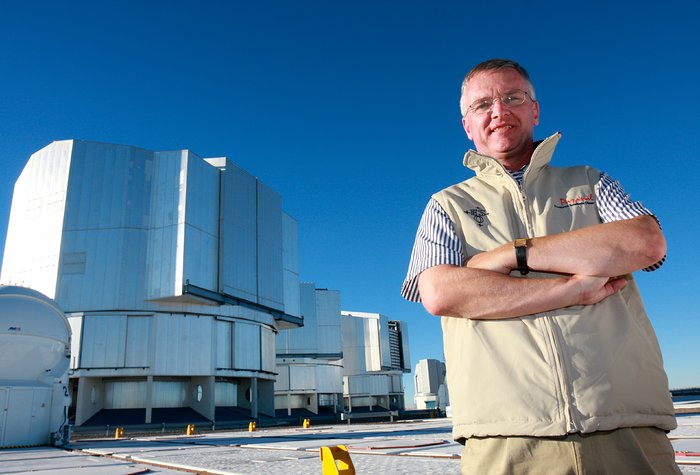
(520, 246)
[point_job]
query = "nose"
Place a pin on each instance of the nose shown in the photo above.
(497, 108)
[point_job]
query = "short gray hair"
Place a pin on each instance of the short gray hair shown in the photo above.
(493, 65)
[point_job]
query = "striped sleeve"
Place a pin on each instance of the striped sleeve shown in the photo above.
(436, 243)
(615, 205)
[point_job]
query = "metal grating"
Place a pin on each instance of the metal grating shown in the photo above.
(395, 346)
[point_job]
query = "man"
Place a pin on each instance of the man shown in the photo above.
(552, 364)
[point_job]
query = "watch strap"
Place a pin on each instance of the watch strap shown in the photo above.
(520, 246)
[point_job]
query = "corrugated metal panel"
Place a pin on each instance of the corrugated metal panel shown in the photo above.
(102, 269)
(224, 343)
(103, 342)
(106, 221)
(329, 340)
(180, 245)
(132, 288)
(304, 339)
(247, 346)
(434, 375)
(358, 384)
(379, 384)
(328, 307)
(403, 326)
(202, 206)
(303, 378)
(291, 293)
(201, 259)
(267, 349)
(170, 393)
(76, 326)
(160, 276)
(282, 381)
(33, 240)
(201, 250)
(138, 340)
(282, 342)
(270, 282)
(396, 383)
(328, 315)
(374, 384)
(121, 394)
(238, 271)
(162, 257)
(353, 345)
(183, 345)
(419, 385)
(372, 339)
(329, 378)
(225, 394)
(290, 263)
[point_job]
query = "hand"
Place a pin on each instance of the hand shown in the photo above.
(593, 289)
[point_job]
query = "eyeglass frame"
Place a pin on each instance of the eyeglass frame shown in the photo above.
(500, 97)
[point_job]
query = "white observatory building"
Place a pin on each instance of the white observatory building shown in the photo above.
(175, 272)
(309, 359)
(34, 356)
(431, 385)
(375, 356)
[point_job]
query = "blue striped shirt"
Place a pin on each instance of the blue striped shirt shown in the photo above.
(437, 242)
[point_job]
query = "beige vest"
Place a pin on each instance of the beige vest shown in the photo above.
(577, 369)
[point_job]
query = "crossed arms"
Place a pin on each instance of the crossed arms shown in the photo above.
(588, 259)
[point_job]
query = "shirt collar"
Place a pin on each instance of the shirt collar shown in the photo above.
(484, 165)
(518, 174)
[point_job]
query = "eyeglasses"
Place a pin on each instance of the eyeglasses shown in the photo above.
(509, 100)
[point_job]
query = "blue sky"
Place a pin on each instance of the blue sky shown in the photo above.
(350, 111)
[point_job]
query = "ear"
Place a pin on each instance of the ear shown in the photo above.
(536, 113)
(467, 129)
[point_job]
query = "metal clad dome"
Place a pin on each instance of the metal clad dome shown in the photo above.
(34, 336)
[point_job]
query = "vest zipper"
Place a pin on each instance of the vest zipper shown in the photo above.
(526, 210)
(562, 377)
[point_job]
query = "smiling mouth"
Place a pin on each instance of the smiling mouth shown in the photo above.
(501, 127)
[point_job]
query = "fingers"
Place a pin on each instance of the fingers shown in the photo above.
(594, 289)
(614, 285)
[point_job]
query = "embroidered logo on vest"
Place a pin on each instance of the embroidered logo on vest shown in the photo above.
(478, 214)
(578, 201)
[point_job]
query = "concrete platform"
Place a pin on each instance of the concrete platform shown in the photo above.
(407, 447)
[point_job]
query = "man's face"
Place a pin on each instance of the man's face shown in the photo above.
(503, 133)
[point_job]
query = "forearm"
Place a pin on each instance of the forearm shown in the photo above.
(609, 249)
(482, 294)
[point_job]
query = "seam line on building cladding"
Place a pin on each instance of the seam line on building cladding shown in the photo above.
(130, 313)
(310, 355)
(262, 371)
(222, 298)
(111, 367)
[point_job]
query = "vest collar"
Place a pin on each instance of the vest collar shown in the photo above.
(484, 165)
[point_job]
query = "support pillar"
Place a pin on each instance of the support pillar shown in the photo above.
(149, 399)
(254, 398)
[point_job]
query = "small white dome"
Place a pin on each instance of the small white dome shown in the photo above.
(34, 335)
